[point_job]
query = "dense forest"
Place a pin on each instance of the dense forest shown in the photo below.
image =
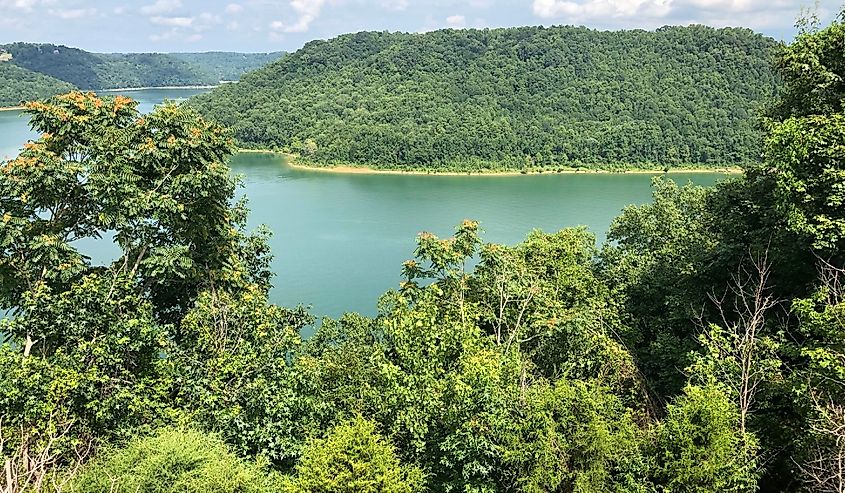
(87, 70)
(702, 349)
(45, 70)
(227, 66)
(519, 98)
(19, 84)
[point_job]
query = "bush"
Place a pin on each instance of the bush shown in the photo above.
(353, 458)
(172, 461)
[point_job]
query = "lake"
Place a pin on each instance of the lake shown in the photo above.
(340, 239)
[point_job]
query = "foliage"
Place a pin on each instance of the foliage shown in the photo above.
(158, 182)
(700, 447)
(520, 98)
(574, 435)
(225, 66)
(172, 461)
(231, 371)
(807, 159)
(656, 264)
(97, 71)
(813, 72)
(89, 71)
(353, 458)
(84, 364)
(19, 84)
(86, 372)
(700, 350)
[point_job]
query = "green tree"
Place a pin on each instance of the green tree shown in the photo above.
(86, 361)
(700, 447)
(813, 72)
(805, 157)
(159, 182)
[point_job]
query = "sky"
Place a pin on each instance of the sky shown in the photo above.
(265, 26)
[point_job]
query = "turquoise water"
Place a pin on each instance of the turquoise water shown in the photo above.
(340, 239)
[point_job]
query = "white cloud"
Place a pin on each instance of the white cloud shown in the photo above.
(307, 11)
(25, 5)
(651, 13)
(72, 14)
(161, 7)
(597, 9)
(234, 8)
(194, 38)
(207, 20)
(173, 21)
(456, 21)
(395, 4)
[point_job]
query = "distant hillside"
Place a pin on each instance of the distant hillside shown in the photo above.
(19, 84)
(227, 66)
(105, 71)
(516, 98)
(87, 70)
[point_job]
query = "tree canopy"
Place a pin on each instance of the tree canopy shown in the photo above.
(32, 71)
(19, 84)
(517, 98)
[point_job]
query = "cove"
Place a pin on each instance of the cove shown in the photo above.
(340, 239)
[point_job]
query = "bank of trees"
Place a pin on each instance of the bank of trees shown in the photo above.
(18, 85)
(520, 98)
(227, 66)
(700, 350)
(36, 71)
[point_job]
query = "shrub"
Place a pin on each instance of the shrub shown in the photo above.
(353, 458)
(172, 461)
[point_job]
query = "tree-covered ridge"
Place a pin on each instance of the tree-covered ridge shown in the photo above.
(96, 71)
(87, 70)
(19, 84)
(227, 66)
(509, 98)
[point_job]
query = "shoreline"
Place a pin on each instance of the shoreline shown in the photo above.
(368, 170)
(125, 89)
(130, 89)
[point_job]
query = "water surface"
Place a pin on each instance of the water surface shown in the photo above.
(340, 239)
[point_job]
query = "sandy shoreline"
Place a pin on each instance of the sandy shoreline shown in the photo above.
(11, 108)
(364, 170)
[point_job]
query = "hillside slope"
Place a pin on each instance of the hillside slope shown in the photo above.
(227, 66)
(105, 71)
(509, 98)
(19, 84)
(88, 70)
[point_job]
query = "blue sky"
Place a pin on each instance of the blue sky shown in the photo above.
(263, 25)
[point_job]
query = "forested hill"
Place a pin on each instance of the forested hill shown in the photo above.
(518, 98)
(19, 84)
(227, 66)
(87, 70)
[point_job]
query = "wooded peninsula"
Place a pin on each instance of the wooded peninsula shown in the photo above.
(510, 99)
